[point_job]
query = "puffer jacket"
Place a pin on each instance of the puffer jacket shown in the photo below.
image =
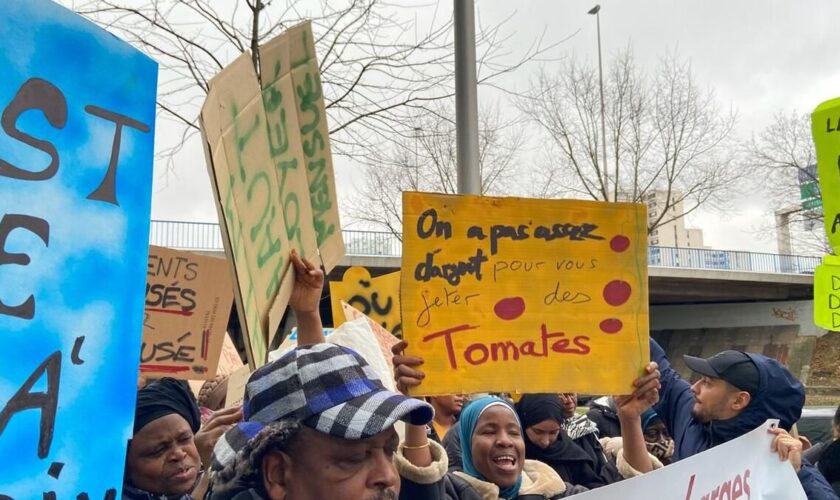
(603, 413)
(539, 481)
(780, 395)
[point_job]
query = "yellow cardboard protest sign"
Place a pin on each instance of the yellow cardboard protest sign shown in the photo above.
(520, 295)
(825, 127)
(378, 298)
(827, 293)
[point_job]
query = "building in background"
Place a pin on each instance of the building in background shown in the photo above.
(673, 232)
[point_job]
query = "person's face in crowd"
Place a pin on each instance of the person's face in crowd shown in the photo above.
(569, 402)
(448, 405)
(498, 449)
(544, 433)
(716, 399)
(656, 433)
(321, 466)
(162, 457)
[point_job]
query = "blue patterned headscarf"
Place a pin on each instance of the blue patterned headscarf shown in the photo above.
(466, 428)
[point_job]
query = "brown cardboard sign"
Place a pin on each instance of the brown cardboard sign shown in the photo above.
(300, 141)
(236, 387)
(188, 298)
(270, 165)
(245, 182)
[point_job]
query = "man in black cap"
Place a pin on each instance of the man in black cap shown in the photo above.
(736, 393)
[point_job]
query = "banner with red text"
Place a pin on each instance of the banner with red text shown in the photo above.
(521, 295)
(744, 469)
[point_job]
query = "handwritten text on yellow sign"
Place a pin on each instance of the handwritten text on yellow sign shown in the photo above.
(378, 298)
(519, 295)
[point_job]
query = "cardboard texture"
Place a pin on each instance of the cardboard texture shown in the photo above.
(278, 94)
(271, 168)
(383, 337)
(519, 295)
(378, 298)
(229, 360)
(188, 302)
(236, 386)
(291, 56)
(825, 128)
(78, 108)
(233, 121)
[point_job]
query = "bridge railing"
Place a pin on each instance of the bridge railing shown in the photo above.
(207, 236)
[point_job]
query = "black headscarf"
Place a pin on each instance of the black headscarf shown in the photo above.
(573, 464)
(164, 397)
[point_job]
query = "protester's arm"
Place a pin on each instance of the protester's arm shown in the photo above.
(675, 397)
(408, 374)
(421, 463)
(306, 295)
(630, 409)
(814, 483)
(790, 448)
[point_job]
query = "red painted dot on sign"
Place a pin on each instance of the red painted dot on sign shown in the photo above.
(612, 325)
(619, 243)
(617, 292)
(509, 308)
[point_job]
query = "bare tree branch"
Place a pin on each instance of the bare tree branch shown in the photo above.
(664, 134)
(427, 162)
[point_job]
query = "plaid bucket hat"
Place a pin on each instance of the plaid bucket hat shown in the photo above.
(326, 387)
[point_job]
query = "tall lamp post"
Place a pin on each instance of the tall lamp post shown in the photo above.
(596, 12)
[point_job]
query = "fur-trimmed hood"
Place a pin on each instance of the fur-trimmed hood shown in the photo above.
(537, 479)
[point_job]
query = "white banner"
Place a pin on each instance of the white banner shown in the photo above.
(742, 469)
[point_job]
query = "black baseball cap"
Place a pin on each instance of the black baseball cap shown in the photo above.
(735, 367)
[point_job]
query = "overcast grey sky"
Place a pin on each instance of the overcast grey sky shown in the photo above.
(759, 56)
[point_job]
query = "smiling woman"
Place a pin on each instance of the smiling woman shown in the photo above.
(494, 464)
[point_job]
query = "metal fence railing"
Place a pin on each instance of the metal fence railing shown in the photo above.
(206, 236)
(186, 235)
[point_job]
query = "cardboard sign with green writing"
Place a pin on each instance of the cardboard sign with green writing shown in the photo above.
(300, 146)
(825, 127)
(188, 302)
(271, 170)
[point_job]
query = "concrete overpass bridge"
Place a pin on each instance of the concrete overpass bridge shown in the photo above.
(701, 300)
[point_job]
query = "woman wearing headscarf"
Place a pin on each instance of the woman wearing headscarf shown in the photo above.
(493, 461)
(542, 417)
(162, 461)
(492, 447)
(657, 443)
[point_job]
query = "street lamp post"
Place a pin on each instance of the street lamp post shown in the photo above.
(596, 12)
(466, 99)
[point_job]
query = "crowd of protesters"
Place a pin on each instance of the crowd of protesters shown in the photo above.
(318, 423)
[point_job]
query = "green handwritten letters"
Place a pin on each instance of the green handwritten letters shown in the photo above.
(269, 158)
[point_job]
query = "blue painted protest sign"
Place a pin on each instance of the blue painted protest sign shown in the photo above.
(76, 143)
